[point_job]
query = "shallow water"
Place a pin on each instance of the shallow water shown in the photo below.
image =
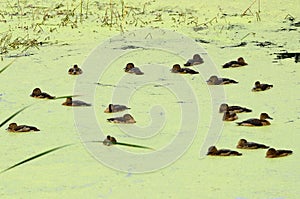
(158, 103)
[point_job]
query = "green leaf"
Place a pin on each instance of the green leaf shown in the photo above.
(35, 156)
(3, 69)
(13, 115)
(66, 96)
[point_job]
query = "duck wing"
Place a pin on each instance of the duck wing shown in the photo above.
(228, 81)
(250, 122)
(188, 70)
(238, 109)
(230, 64)
(119, 108)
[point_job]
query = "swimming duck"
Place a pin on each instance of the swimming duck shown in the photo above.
(37, 93)
(125, 119)
(222, 152)
(195, 61)
(244, 144)
(109, 140)
(256, 122)
(75, 70)
(261, 87)
(240, 62)
(229, 116)
(273, 153)
(214, 80)
(177, 69)
(70, 102)
(13, 127)
(112, 108)
(236, 109)
(131, 69)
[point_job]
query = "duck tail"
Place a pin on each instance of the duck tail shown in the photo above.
(239, 123)
(247, 110)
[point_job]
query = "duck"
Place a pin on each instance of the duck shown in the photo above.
(13, 127)
(233, 64)
(196, 60)
(213, 151)
(257, 122)
(273, 153)
(37, 93)
(130, 68)
(109, 140)
(125, 119)
(113, 108)
(75, 70)
(261, 87)
(244, 144)
(70, 102)
(229, 116)
(214, 80)
(237, 109)
(177, 69)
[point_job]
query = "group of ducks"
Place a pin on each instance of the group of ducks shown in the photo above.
(230, 112)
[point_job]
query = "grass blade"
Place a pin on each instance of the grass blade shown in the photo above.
(134, 145)
(35, 156)
(13, 115)
(66, 96)
(130, 145)
(3, 69)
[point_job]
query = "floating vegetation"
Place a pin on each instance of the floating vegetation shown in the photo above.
(285, 55)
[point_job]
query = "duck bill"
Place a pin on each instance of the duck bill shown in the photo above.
(270, 118)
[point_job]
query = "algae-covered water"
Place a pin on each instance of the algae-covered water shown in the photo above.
(177, 115)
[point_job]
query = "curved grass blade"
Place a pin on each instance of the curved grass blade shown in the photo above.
(35, 156)
(13, 115)
(3, 69)
(134, 145)
(130, 145)
(66, 96)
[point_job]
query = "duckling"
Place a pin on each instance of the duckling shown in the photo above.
(240, 62)
(125, 119)
(244, 144)
(236, 109)
(213, 151)
(256, 122)
(177, 69)
(75, 70)
(13, 127)
(214, 80)
(70, 102)
(273, 153)
(261, 87)
(195, 61)
(37, 93)
(131, 69)
(229, 116)
(112, 108)
(109, 140)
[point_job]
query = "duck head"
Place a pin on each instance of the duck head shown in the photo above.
(213, 79)
(223, 108)
(129, 118)
(128, 67)
(241, 61)
(12, 126)
(264, 116)
(212, 150)
(176, 68)
(36, 92)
